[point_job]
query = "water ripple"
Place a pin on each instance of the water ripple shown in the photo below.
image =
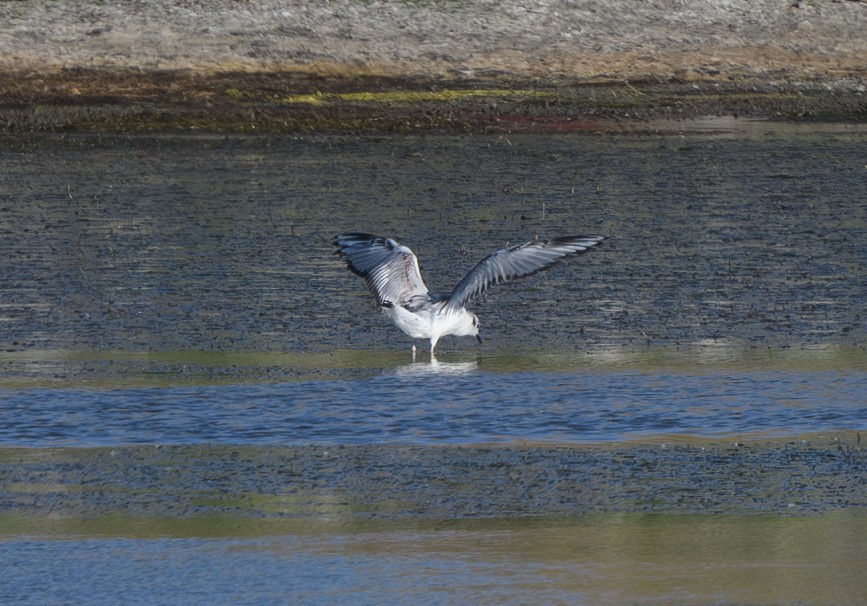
(453, 408)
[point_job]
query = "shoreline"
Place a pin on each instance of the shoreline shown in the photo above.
(391, 66)
(301, 102)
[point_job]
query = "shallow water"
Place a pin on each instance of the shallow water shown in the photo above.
(182, 290)
(471, 406)
(624, 559)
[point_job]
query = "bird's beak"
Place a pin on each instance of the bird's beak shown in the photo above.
(479, 338)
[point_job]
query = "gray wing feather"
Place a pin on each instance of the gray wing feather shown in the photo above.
(516, 262)
(390, 269)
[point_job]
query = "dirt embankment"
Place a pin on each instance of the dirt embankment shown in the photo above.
(405, 65)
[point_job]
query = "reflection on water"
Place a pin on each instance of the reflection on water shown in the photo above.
(433, 367)
(604, 559)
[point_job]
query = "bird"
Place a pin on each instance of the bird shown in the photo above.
(392, 274)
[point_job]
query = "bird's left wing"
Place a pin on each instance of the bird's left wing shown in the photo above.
(516, 262)
(389, 268)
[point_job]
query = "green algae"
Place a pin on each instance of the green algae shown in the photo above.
(414, 96)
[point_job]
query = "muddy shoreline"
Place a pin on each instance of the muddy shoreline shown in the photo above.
(805, 476)
(298, 102)
(393, 66)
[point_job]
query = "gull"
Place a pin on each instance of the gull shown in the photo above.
(393, 276)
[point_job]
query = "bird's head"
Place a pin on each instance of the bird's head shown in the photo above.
(466, 325)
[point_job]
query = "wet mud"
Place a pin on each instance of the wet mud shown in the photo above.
(815, 474)
(205, 259)
(302, 102)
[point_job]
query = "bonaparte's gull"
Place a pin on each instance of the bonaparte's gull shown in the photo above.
(392, 275)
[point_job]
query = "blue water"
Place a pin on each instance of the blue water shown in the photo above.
(618, 560)
(471, 407)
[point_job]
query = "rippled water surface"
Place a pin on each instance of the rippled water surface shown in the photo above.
(183, 290)
(475, 406)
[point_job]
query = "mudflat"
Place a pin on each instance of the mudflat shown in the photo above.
(815, 474)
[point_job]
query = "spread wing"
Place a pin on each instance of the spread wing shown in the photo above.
(389, 268)
(516, 262)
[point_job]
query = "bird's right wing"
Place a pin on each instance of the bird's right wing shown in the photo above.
(389, 268)
(516, 262)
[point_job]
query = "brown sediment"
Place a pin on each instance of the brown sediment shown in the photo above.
(291, 102)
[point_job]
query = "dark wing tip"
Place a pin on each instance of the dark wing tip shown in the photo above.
(353, 238)
(351, 241)
(582, 241)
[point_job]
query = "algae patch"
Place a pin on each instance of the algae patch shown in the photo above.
(403, 96)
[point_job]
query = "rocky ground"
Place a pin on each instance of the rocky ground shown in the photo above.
(398, 65)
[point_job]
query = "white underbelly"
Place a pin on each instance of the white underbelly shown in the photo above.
(416, 325)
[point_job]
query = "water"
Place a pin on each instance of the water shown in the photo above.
(473, 407)
(181, 290)
(594, 561)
